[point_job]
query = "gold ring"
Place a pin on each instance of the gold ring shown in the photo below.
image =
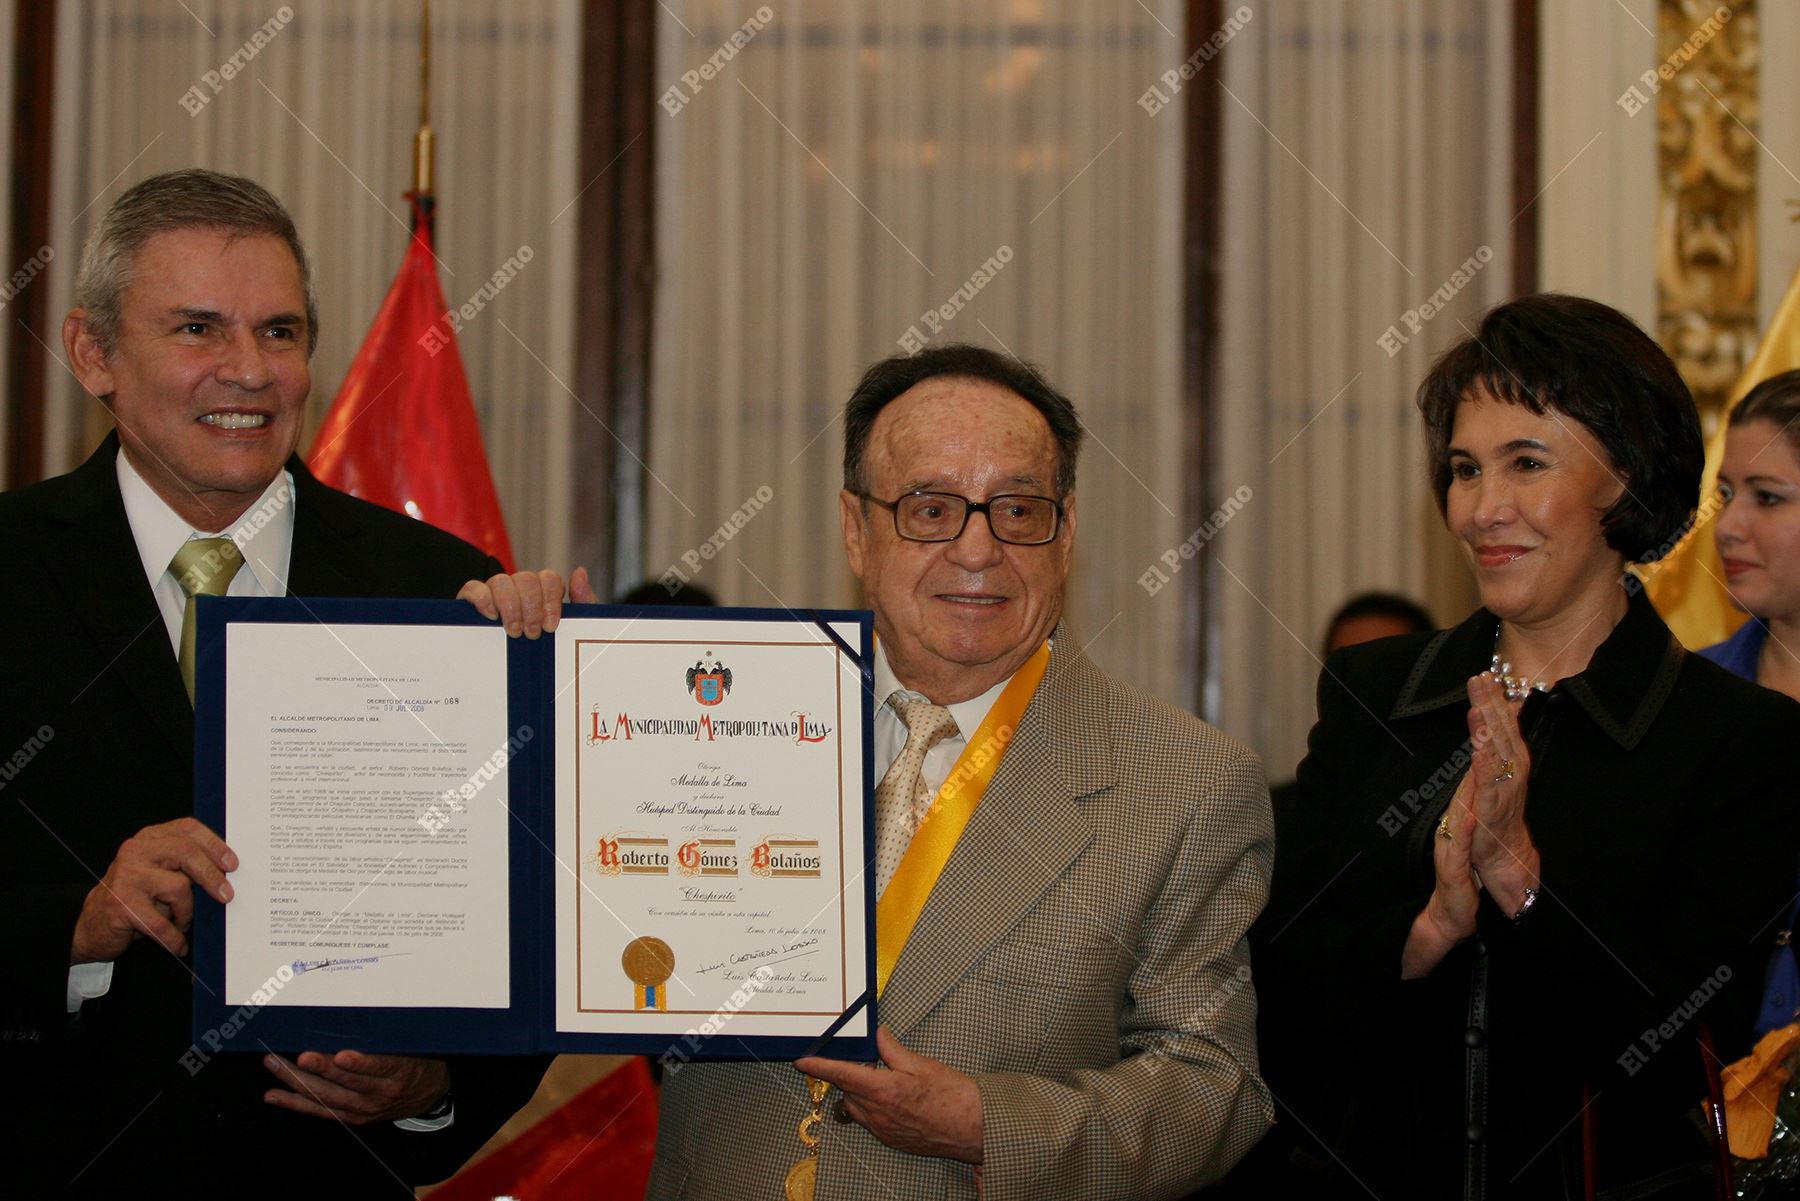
(1506, 771)
(1444, 828)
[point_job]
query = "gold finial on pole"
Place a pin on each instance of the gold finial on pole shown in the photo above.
(424, 146)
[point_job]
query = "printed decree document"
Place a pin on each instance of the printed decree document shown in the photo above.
(709, 808)
(340, 740)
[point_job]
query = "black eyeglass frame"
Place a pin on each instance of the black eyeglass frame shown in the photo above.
(970, 508)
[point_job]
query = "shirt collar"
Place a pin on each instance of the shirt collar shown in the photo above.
(265, 531)
(1622, 688)
(969, 714)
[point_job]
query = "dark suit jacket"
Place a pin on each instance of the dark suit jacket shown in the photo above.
(99, 1103)
(1662, 801)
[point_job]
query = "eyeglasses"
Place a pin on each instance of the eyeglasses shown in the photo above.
(942, 517)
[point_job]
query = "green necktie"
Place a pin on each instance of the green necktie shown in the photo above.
(203, 567)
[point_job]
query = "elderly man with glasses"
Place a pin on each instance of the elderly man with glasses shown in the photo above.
(1071, 1015)
(1075, 863)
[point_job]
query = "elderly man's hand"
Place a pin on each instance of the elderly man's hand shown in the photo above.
(919, 1105)
(527, 602)
(357, 1089)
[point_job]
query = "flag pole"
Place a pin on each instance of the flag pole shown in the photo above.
(424, 142)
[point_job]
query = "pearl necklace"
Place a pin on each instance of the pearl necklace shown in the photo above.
(1516, 688)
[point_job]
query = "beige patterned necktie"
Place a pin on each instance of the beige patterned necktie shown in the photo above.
(203, 567)
(903, 798)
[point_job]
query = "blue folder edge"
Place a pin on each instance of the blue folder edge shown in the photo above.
(527, 1025)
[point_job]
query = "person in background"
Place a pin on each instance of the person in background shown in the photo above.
(1758, 534)
(1371, 615)
(1363, 618)
(1537, 853)
(652, 592)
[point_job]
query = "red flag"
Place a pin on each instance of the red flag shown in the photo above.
(402, 432)
(598, 1146)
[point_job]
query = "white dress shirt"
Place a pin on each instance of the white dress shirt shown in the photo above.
(265, 536)
(159, 532)
(890, 730)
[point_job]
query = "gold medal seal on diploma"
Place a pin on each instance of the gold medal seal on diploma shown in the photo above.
(648, 963)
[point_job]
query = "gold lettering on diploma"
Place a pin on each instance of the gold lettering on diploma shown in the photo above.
(778, 858)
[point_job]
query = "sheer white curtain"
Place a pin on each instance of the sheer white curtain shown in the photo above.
(854, 166)
(323, 115)
(1597, 162)
(1366, 163)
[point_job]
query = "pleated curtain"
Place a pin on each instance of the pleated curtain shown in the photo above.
(1367, 152)
(856, 166)
(323, 115)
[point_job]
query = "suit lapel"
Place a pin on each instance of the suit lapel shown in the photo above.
(322, 533)
(1023, 836)
(97, 565)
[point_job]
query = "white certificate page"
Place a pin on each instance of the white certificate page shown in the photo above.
(366, 798)
(709, 828)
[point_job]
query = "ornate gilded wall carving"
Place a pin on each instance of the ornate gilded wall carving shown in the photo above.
(1707, 98)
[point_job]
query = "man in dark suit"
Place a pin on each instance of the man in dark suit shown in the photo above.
(194, 326)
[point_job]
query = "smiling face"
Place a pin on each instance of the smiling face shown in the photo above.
(209, 376)
(1526, 496)
(956, 618)
(1758, 530)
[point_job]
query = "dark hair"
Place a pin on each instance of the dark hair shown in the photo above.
(1589, 362)
(893, 376)
(1775, 400)
(655, 592)
(1381, 604)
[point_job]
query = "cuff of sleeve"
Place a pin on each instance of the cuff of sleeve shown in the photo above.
(426, 1123)
(87, 981)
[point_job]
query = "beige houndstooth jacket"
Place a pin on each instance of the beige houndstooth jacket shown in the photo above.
(1082, 956)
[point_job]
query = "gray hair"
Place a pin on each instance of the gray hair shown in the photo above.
(188, 199)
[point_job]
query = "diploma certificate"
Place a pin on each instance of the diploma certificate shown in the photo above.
(709, 805)
(647, 832)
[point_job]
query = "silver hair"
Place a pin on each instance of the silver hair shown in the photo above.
(188, 199)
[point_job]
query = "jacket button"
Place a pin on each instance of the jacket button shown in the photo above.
(1474, 1038)
(1476, 1132)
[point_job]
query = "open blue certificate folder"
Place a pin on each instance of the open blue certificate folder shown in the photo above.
(648, 832)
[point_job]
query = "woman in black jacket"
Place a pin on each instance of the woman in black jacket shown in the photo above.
(1533, 856)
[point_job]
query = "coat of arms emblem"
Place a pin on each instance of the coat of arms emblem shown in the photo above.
(709, 680)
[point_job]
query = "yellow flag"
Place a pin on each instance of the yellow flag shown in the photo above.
(1688, 587)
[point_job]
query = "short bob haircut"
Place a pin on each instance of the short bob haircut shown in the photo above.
(889, 378)
(1591, 363)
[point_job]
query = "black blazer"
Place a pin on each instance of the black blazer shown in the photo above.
(99, 1103)
(1663, 802)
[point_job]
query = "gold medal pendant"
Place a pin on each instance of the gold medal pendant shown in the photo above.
(802, 1178)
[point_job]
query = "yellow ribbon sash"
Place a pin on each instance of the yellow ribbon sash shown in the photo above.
(898, 909)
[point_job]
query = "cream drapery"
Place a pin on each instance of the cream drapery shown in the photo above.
(1366, 161)
(854, 166)
(1592, 148)
(323, 115)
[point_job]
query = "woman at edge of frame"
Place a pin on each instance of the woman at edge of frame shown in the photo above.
(1530, 856)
